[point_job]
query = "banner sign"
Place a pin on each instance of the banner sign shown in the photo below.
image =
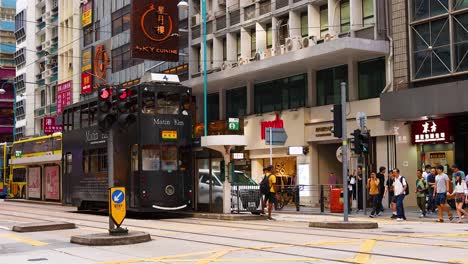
(49, 126)
(155, 30)
(34, 182)
(86, 83)
(52, 182)
(277, 123)
(64, 96)
(86, 70)
(432, 131)
(87, 14)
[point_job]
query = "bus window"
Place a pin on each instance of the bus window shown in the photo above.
(169, 158)
(19, 175)
(57, 141)
(150, 157)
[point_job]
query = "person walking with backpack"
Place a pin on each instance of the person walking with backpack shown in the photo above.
(268, 187)
(460, 191)
(440, 194)
(373, 186)
(400, 187)
(421, 189)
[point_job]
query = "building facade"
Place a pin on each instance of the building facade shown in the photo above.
(7, 69)
(430, 79)
(283, 62)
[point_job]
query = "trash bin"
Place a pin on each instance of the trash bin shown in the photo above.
(336, 200)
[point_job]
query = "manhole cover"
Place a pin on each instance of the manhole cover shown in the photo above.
(399, 232)
(37, 259)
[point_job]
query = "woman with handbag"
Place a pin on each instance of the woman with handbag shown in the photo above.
(461, 195)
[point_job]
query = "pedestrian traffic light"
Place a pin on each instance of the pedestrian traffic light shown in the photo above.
(337, 121)
(357, 141)
(126, 103)
(365, 142)
(106, 116)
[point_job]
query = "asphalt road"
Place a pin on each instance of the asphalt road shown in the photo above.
(189, 240)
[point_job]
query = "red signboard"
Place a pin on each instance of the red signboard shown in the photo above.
(34, 182)
(86, 83)
(432, 131)
(277, 123)
(52, 182)
(64, 96)
(155, 30)
(49, 126)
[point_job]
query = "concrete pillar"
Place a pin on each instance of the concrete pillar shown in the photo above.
(334, 17)
(294, 24)
(250, 98)
(274, 29)
(353, 92)
(355, 12)
(245, 43)
(231, 47)
(313, 20)
(311, 88)
(261, 36)
(222, 104)
(199, 108)
(217, 52)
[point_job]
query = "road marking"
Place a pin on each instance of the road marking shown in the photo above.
(366, 247)
(25, 240)
(158, 259)
(5, 228)
(214, 257)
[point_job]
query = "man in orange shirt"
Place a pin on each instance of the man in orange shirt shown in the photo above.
(373, 186)
(270, 197)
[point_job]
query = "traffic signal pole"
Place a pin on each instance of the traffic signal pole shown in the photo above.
(110, 170)
(344, 152)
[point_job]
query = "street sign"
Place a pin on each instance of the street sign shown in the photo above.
(18, 154)
(117, 205)
(361, 119)
(233, 123)
(278, 136)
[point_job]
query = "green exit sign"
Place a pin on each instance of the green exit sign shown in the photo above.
(18, 154)
(233, 124)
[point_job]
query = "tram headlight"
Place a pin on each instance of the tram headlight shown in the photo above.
(169, 190)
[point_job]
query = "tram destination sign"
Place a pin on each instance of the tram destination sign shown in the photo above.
(169, 134)
(117, 205)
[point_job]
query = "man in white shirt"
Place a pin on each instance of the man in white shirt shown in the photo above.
(440, 193)
(427, 171)
(399, 187)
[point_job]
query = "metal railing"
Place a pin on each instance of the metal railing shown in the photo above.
(246, 198)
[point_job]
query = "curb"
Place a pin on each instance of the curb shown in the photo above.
(42, 226)
(227, 217)
(35, 202)
(105, 239)
(344, 225)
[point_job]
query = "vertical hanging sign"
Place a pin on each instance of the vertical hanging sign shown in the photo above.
(155, 30)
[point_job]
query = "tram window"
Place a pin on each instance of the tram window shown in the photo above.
(135, 157)
(150, 157)
(57, 141)
(95, 160)
(92, 115)
(84, 116)
(19, 175)
(161, 103)
(76, 118)
(169, 158)
(68, 163)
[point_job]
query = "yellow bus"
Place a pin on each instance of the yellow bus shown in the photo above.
(35, 168)
(4, 169)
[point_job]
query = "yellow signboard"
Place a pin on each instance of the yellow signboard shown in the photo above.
(87, 14)
(169, 134)
(117, 205)
(86, 60)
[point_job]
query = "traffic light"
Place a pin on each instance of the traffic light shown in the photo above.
(357, 141)
(365, 142)
(106, 116)
(125, 107)
(337, 121)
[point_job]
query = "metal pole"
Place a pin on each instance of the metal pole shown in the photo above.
(110, 170)
(14, 112)
(271, 147)
(205, 77)
(364, 182)
(344, 152)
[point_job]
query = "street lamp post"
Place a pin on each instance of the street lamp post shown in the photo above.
(184, 5)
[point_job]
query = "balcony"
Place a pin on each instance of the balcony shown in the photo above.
(216, 128)
(42, 54)
(52, 108)
(54, 19)
(40, 111)
(41, 25)
(53, 77)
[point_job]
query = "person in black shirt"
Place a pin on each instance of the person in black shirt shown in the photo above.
(381, 177)
(431, 182)
(359, 188)
(391, 193)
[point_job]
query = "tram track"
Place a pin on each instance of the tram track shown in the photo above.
(99, 221)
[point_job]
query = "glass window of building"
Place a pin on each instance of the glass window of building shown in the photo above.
(224, 49)
(460, 4)
(281, 94)
(238, 45)
(461, 41)
(371, 80)
(236, 102)
(97, 30)
(43, 98)
(344, 16)
(328, 84)
(428, 8)
(88, 36)
(367, 12)
(121, 58)
(213, 107)
(121, 20)
(304, 25)
(253, 43)
(269, 37)
(323, 21)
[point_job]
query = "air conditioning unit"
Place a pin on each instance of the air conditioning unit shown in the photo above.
(283, 49)
(242, 61)
(196, 19)
(308, 41)
(293, 43)
(273, 52)
(328, 37)
(226, 66)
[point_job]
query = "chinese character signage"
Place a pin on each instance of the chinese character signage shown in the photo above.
(86, 83)
(87, 14)
(432, 131)
(64, 96)
(86, 70)
(50, 126)
(155, 30)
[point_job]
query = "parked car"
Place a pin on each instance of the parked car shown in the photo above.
(245, 192)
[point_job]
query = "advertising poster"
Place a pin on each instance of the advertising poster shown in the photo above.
(52, 182)
(34, 182)
(87, 13)
(50, 127)
(155, 30)
(64, 96)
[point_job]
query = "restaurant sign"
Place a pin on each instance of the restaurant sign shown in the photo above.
(432, 131)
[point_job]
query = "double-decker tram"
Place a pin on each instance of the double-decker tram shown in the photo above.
(150, 124)
(5, 149)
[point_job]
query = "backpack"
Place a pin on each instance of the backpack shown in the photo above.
(265, 185)
(407, 191)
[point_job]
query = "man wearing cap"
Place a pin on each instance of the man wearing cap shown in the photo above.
(271, 196)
